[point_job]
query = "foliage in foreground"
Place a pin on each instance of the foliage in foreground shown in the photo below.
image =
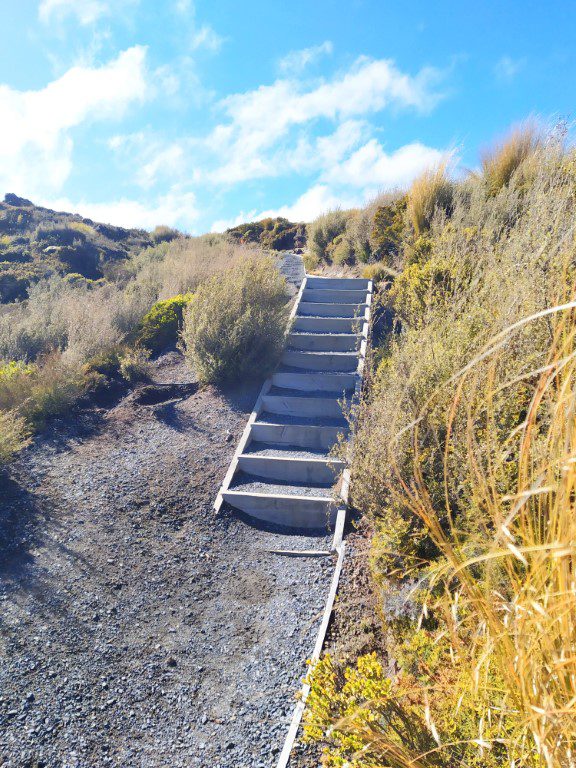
(465, 459)
(235, 325)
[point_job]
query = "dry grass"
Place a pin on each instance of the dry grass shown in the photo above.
(501, 162)
(465, 458)
(431, 191)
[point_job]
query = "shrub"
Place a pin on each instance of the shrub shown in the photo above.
(387, 229)
(501, 162)
(322, 231)
(235, 326)
(135, 365)
(376, 272)
(274, 234)
(14, 435)
(161, 325)
(46, 389)
(164, 234)
(340, 250)
(429, 192)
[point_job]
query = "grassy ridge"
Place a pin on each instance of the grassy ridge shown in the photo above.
(464, 461)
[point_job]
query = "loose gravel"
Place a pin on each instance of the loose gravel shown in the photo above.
(305, 421)
(286, 451)
(139, 629)
(247, 483)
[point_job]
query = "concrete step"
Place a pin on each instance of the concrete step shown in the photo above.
(294, 470)
(311, 382)
(338, 283)
(324, 342)
(316, 309)
(327, 325)
(311, 512)
(303, 406)
(321, 361)
(300, 435)
(330, 296)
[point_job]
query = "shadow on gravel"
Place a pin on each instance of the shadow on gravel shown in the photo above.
(24, 514)
(241, 397)
(172, 417)
(20, 532)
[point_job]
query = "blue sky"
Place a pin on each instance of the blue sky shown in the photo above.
(203, 114)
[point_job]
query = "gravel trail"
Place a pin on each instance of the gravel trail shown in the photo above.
(138, 629)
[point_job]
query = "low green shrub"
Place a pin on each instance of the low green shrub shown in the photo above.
(325, 229)
(14, 435)
(387, 229)
(161, 325)
(48, 388)
(135, 365)
(376, 272)
(164, 234)
(235, 326)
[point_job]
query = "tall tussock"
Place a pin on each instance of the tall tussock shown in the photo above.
(502, 161)
(465, 461)
(432, 190)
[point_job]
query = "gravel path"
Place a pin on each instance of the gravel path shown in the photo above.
(138, 629)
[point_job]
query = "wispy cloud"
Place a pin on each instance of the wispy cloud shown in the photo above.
(206, 37)
(84, 11)
(296, 62)
(36, 142)
(283, 113)
(506, 69)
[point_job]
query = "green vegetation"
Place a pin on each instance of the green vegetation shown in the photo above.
(72, 336)
(160, 327)
(349, 238)
(36, 243)
(272, 234)
(13, 435)
(234, 327)
(464, 463)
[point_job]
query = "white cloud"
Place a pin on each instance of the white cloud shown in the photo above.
(316, 200)
(507, 68)
(35, 132)
(176, 209)
(206, 37)
(370, 165)
(84, 11)
(184, 7)
(296, 61)
(260, 119)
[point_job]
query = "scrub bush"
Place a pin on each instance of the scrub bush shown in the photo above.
(234, 328)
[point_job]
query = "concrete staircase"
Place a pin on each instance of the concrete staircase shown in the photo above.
(281, 471)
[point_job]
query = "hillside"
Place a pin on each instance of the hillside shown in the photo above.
(37, 242)
(277, 234)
